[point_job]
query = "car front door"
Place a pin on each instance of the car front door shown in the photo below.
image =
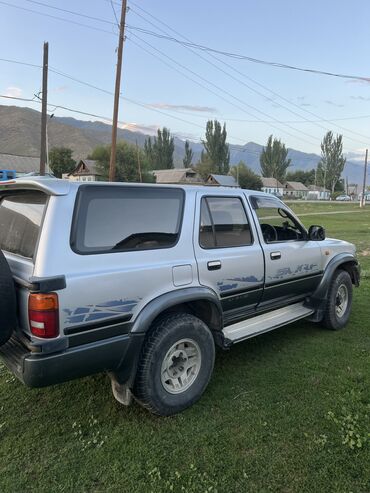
(228, 253)
(293, 262)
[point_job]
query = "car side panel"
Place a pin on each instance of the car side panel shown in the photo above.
(112, 286)
(239, 280)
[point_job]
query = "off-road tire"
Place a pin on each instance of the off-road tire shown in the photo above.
(148, 388)
(8, 305)
(331, 319)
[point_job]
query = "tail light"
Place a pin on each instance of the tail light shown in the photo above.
(43, 315)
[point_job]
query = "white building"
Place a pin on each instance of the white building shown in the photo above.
(85, 170)
(318, 193)
(295, 190)
(272, 185)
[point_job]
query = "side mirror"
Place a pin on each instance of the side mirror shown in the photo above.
(316, 233)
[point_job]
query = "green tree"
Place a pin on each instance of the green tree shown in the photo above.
(246, 177)
(217, 151)
(61, 161)
(188, 155)
(204, 166)
(332, 162)
(159, 152)
(131, 163)
(305, 177)
(274, 159)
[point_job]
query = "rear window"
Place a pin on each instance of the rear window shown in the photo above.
(20, 220)
(116, 219)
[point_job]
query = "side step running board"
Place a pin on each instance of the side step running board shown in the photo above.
(266, 322)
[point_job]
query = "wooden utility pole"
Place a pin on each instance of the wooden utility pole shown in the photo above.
(363, 200)
(44, 108)
(112, 164)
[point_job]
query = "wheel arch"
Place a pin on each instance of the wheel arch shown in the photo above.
(199, 301)
(343, 261)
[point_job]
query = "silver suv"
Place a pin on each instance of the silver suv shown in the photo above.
(143, 281)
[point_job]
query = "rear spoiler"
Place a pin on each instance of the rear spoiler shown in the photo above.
(51, 186)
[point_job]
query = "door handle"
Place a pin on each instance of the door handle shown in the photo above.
(275, 255)
(214, 265)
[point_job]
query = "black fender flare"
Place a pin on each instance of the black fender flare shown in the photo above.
(320, 295)
(168, 300)
(126, 372)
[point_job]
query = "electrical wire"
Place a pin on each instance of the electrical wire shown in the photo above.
(249, 78)
(17, 62)
(38, 100)
(237, 56)
(226, 118)
(73, 12)
(115, 15)
(240, 101)
(69, 21)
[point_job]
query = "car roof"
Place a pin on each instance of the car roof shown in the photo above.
(55, 186)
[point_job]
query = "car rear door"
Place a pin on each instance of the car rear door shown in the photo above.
(228, 253)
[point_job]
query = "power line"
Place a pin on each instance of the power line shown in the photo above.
(70, 21)
(238, 80)
(137, 103)
(17, 62)
(105, 91)
(227, 118)
(132, 101)
(233, 147)
(243, 120)
(114, 13)
(29, 100)
(236, 56)
(247, 58)
(240, 73)
(224, 91)
(188, 44)
(79, 14)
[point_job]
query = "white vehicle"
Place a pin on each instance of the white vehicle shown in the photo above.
(143, 281)
(343, 198)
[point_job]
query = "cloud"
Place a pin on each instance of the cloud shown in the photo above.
(183, 107)
(327, 101)
(137, 127)
(356, 155)
(360, 98)
(13, 92)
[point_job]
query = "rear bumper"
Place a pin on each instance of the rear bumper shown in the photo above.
(36, 369)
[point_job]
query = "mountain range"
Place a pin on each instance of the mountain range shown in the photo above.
(20, 130)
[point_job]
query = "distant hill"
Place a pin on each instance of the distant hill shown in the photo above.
(20, 134)
(20, 130)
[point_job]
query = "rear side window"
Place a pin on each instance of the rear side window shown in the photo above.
(20, 220)
(111, 219)
(223, 223)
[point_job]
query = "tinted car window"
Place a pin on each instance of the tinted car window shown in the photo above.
(223, 223)
(278, 225)
(20, 220)
(127, 218)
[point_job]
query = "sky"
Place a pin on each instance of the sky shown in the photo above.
(167, 84)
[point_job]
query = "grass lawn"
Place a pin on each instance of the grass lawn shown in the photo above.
(284, 412)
